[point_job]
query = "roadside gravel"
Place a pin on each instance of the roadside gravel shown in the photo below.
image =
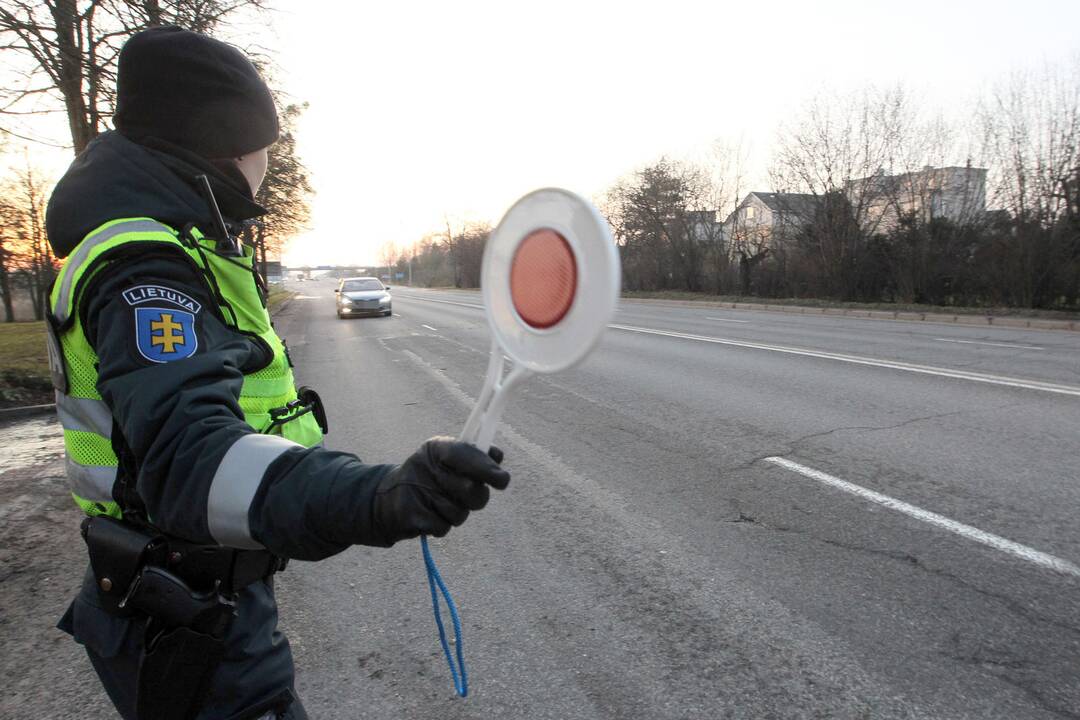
(42, 560)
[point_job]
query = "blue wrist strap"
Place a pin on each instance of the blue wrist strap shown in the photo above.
(461, 681)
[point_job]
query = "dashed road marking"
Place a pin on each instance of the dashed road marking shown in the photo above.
(430, 328)
(1028, 554)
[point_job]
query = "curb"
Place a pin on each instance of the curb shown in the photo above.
(18, 413)
(944, 318)
(283, 304)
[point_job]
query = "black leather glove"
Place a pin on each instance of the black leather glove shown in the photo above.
(435, 488)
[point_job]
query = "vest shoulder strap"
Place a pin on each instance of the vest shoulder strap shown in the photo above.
(102, 239)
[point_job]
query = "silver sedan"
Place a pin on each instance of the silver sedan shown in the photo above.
(362, 296)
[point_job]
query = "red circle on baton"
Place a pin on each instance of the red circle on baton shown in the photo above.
(543, 278)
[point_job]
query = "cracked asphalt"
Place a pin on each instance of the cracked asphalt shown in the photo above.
(647, 562)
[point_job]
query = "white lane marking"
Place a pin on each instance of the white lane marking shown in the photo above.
(875, 362)
(396, 315)
(977, 342)
(445, 302)
(430, 328)
(1031, 555)
(726, 320)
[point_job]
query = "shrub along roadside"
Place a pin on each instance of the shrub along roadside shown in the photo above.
(820, 303)
(277, 298)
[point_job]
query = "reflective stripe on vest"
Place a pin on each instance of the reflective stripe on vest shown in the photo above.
(92, 483)
(88, 421)
(238, 477)
(63, 302)
(84, 415)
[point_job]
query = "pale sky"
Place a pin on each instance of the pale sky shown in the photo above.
(420, 110)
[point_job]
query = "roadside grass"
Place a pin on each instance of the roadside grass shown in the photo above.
(277, 297)
(24, 365)
(24, 362)
(887, 307)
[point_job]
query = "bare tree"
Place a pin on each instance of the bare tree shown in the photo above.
(430, 261)
(69, 49)
(10, 219)
(727, 186)
(452, 252)
(388, 256)
(839, 149)
(26, 252)
(1031, 131)
(465, 251)
(285, 191)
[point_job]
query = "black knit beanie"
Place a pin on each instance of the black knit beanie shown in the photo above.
(194, 91)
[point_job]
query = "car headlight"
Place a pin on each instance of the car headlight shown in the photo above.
(384, 300)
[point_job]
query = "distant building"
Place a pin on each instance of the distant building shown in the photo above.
(764, 218)
(953, 193)
(958, 194)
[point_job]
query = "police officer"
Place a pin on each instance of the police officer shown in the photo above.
(197, 461)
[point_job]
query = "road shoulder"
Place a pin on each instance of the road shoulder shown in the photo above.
(42, 561)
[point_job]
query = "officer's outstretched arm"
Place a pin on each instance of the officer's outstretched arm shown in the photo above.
(171, 372)
(356, 504)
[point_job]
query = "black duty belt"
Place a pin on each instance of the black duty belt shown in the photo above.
(120, 550)
(204, 566)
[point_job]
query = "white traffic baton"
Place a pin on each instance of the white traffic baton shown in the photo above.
(550, 281)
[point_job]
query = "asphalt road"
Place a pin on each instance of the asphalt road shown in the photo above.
(719, 514)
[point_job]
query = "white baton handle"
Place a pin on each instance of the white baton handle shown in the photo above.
(480, 427)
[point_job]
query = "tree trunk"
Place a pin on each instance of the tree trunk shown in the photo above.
(43, 298)
(5, 289)
(65, 17)
(153, 13)
(260, 245)
(36, 294)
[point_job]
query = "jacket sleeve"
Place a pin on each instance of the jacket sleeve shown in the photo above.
(171, 371)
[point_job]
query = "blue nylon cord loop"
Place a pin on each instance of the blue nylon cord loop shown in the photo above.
(461, 682)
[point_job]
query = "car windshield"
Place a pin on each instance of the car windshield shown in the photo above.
(360, 285)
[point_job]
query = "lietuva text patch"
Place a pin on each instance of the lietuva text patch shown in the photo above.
(164, 334)
(157, 293)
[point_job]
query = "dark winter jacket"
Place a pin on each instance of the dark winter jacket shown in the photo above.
(174, 422)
